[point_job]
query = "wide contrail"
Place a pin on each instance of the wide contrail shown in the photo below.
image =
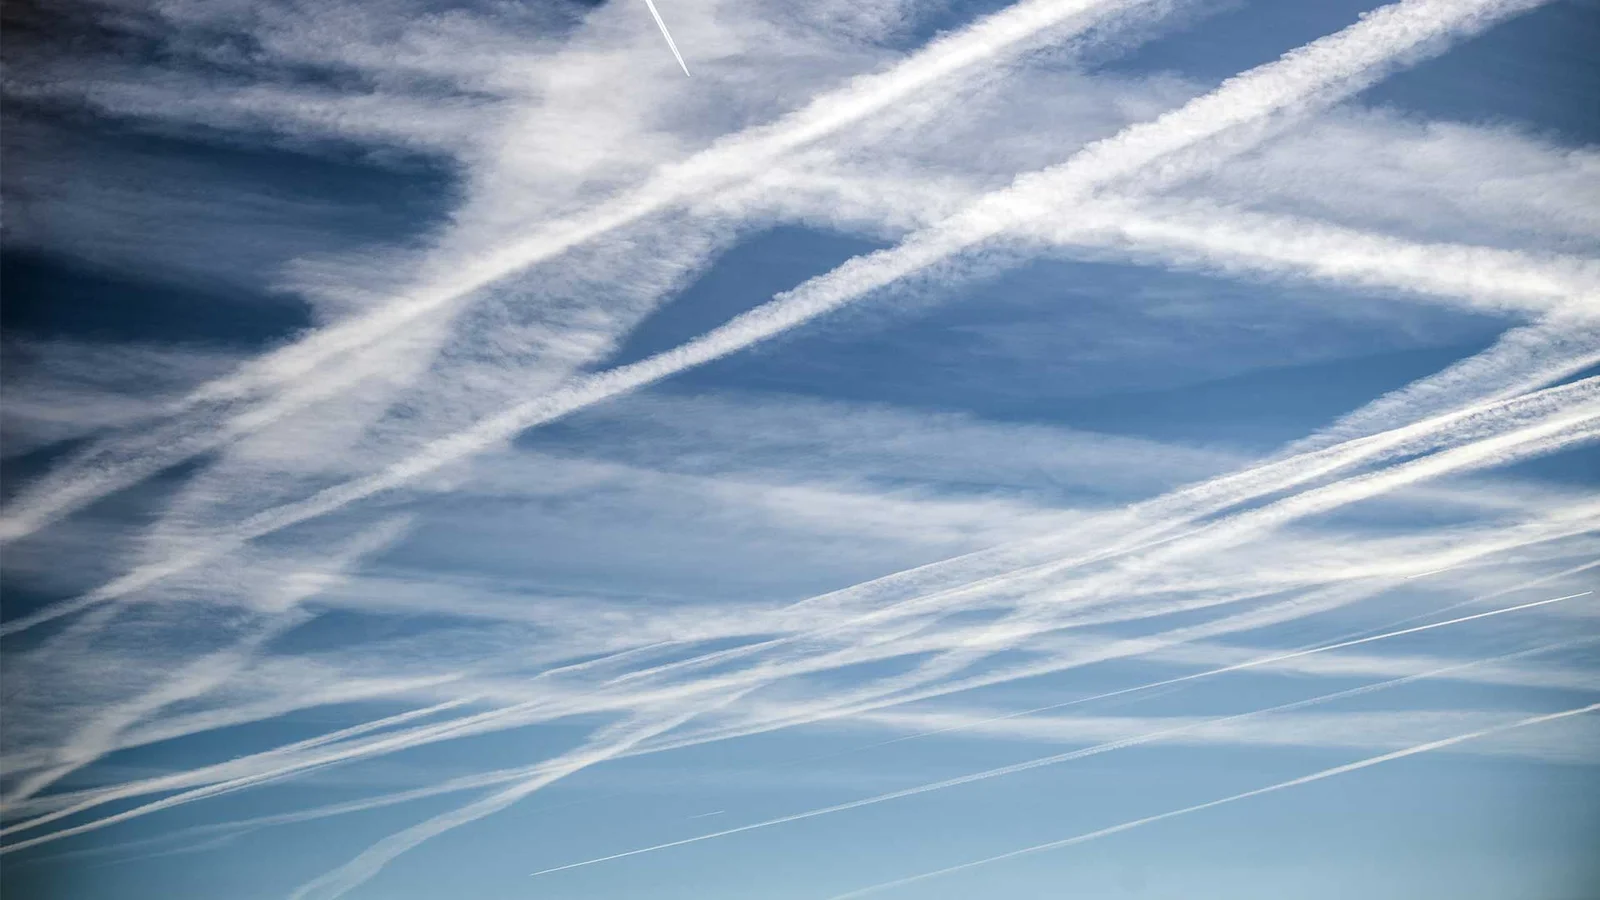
(1320, 72)
(1245, 795)
(668, 35)
(727, 162)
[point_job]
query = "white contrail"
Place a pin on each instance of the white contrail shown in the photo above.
(1041, 762)
(611, 743)
(1209, 236)
(503, 718)
(728, 161)
(1274, 514)
(1237, 667)
(1321, 71)
(1277, 613)
(668, 35)
(98, 736)
(1521, 360)
(346, 877)
(1216, 238)
(170, 782)
(1481, 452)
(1156, 521)
(1245, 795)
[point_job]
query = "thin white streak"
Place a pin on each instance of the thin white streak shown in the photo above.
(1521, 360)
(341, 880)
(1229, 240)
(1546, 431)
(1293, 782)
(1015, 768)
(668, 35)
(99, 736)
(1249, 664)
(166, 782)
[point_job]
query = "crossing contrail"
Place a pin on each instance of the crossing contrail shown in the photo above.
(1245, 795)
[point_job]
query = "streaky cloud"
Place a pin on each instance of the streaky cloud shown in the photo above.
(1318, 73)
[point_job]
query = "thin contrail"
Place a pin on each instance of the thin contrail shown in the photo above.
(1201, 235)
(1539, 401)
(1223, 670)
(499, 719)
(1245, 795)
(1099, 748)
(1503, 447)
(668, 35)
(1319, 72)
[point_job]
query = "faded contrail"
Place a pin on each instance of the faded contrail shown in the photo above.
(1293, 782)
(1367, 490)
(1036, 763)
(358, 870)
(726, 162)
(1217, 495)
(1322, 71)
(668, 35)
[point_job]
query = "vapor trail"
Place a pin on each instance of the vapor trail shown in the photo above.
(1321, 71)
(668, 35)
(1036, 763)
(1237, 667)
(726, 162)
(1293, 782)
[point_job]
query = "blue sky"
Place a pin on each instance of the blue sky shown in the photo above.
(1103, 448)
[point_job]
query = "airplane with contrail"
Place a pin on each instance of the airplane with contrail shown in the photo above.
(660, 23)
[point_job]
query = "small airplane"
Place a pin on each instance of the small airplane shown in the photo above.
(667, 34)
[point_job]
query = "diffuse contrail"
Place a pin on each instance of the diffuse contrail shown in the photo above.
(610, 743)
(1244, 795)
(99, 735)
(726, 162)
(495, 719)
(1255, 662)
(1054, 759)
(1316, 72)
(1207, 236)
(457, 728)
(1520, 361)
(1206, 499)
